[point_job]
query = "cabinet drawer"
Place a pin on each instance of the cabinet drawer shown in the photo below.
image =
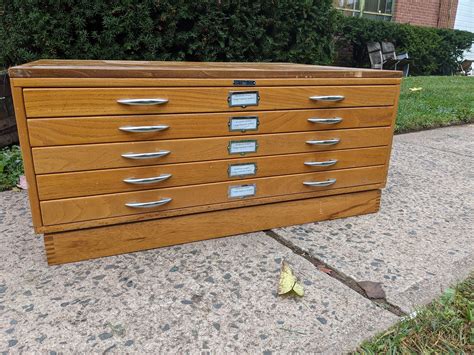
(83, 130)
(113, 205)
(130, 101)
(102, 156)
(99, 182)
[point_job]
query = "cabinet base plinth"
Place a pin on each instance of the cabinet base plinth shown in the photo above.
(97, 242)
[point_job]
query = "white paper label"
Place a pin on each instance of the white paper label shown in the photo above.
(243, 124)
(243, 99)
(242, 147)
(242, 169)
(240, 191)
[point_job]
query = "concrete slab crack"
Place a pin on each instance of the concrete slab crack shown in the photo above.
(336, 274)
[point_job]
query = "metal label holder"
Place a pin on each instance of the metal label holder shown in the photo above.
(243, 98)
(242, 191)
(250, 165)
(251, 142)
(252, 119)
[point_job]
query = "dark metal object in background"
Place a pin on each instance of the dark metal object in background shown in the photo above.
(383, 56)
(8, 130)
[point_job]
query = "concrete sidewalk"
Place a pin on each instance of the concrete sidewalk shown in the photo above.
(220, 295)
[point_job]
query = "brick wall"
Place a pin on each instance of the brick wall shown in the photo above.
(432, 13)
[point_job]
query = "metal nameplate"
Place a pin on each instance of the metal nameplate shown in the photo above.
(245, 83)
(242, 191)
(242, 147)
(243, 98)
(242, 170)
(243, 123)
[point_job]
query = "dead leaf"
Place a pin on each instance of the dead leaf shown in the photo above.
(22, 184)
(324, 269)
(373, 290)
(415, 89)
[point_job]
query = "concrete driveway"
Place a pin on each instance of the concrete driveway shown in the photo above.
(220, 295)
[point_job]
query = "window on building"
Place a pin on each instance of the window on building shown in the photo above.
(374, 9)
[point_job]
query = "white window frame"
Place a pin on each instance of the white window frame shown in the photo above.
(360, 11)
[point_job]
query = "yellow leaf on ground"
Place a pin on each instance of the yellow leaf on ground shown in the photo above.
(288, 282)
(415, 89)
(298, 289)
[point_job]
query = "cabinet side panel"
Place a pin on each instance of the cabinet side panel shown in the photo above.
(23, 135)
(392, 130)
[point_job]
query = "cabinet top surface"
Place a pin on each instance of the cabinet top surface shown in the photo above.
(200, 70)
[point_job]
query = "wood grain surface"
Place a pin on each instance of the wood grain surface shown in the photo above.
(104, 129)
(201, 209)
(113, 205)
(125, 238)
(146, 69)
(103, 156)
(27, 156)
(57, 102)
(189, 82)
(392, 128)
(96, 182)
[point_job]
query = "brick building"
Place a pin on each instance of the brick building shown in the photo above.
(432, 13)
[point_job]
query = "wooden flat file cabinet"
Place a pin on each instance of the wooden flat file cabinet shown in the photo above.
(125, 156)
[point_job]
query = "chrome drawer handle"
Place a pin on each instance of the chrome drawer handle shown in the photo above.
(325, 120)
(150, 180)
(141, 129)
(320, 183)
(151, 204)
(329, 98)
(143, 102)
(324, 141)
(151, 155)
(321, 163)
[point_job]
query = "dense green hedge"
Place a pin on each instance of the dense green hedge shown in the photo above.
(435, 51)
(200, 30)
(302, 31)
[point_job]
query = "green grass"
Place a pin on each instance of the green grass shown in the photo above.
(11, 167)
(446, 326)
(442, 101)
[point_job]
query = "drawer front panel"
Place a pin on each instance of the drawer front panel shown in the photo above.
(99, 182)
(113, 205)
(83, 130)
(102, 156)
(106, 101)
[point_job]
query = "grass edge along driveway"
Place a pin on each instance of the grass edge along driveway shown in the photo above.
(435, 101)
(445, 326)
